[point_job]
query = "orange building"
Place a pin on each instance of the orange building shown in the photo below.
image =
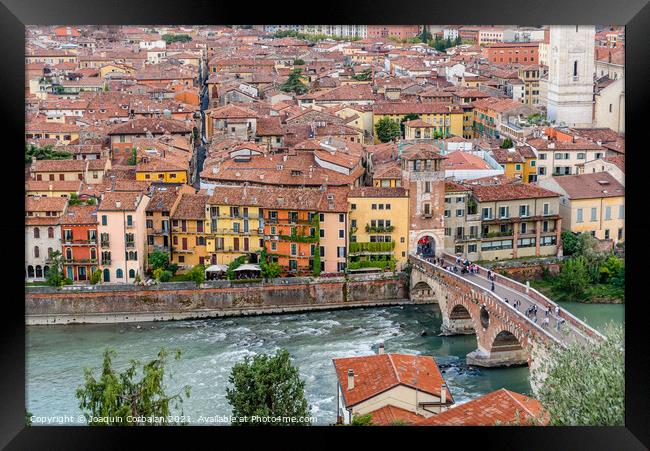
(291, 228)
(79, 242)
(512, 52)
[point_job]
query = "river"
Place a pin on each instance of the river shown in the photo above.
(56, 355)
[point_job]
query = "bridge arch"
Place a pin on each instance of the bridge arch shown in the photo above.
(459, 312)
(422, 291)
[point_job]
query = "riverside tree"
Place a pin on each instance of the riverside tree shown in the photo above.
(118, 399)
(584, 385)
(268, 386)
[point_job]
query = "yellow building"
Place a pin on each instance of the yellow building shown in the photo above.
(233, 222)
(160, 170)
(445, 119)
(518, 162)
(188, 232)
(379, 228)
(46, 188)
(387, 175)
(592, 203)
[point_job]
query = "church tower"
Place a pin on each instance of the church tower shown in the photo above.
(571, 75)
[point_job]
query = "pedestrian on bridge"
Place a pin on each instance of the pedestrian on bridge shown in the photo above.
(492, 286)
(545, 323)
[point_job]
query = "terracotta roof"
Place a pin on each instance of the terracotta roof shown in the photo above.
(120, 201)
(507, 156)
(459, 160)
(34, 203)
(58, 166)
(618, 160)
(54, 185)
(190, 206)
(162, 200)
(590, 185)
(389, 415)
(157, 126)
(579, 144)
(511, 192)
(231, 111)
(375, 374)
(453, 186)
(418, 123)
(499, 407)
(421, 152)
(415, 108)
(80, 214)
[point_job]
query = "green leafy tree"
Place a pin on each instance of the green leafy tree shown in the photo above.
(574, 277)
(159, 260)
(507, 143)
(270, 270)
(425, 34)
(295, 83)
(569, 242)
(54, 276)
(96, 277)
(133, 159)
(299, 62)
(74, 200)
(268, 386)
(388, 129)
(196, 274)
(116, 396)
(46, 152)
(458, 41)
(364, 75)
(611, 268)
(169, 38)
(584, 385)
(91, 201)
(236, 263)
(362, 420)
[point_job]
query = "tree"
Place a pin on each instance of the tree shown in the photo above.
(121, 400)
(159, 260)
(298, 62)
(610, 268)
(96, 277)
(236, 263)
(268, 386)
(388, 129)
(46, 152)
(74, 200)
(507, 143)
(364, 75)
(169, 38)
(133, 159)
(54, 276)
(197, 274)
(294, 83)
(584, 385)
(425, 35)
(574, 276)
(362, 420)
(569, 242)
(458, 40)
(270, 270)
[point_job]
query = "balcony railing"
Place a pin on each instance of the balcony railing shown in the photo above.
(130, 244)
(377, 229)
(496, 234)
(105, 243)
(106, 261)
(74, 261)
(70, 242)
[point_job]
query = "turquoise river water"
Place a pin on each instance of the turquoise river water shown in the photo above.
(57, 355)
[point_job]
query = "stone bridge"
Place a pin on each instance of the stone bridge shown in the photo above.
(505, 335)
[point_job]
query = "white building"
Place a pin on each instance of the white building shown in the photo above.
(571, 75)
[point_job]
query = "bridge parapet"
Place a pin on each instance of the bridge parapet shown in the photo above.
(532, 293)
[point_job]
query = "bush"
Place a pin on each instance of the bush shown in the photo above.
(197, 274)
(574, 276)
(165, 276)
(611, 268)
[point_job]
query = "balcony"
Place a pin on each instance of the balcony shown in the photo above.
(105, 244)
(384, 229)
(161, 232)
(496, 234)
(471, 237)
(80, 261)
(79, 242)
(106, 261)
(130, 244)
(473, 217)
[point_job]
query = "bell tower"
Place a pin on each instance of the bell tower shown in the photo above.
(571, 72)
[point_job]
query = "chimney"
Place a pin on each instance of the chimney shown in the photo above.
(350, 379)
(118, 204)
(443, 393)
(381, 349)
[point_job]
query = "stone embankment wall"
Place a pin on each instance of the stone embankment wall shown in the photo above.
(521, 270)
(182, 300)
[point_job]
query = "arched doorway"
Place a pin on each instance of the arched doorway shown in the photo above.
(107, 275)
(426, 247)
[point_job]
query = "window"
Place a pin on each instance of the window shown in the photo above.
(129, 220)
(294, 249)
(594, 212)
(341, 217)
(37, 252)
(274, 245)
(504, 212)
(381, 206)
(546, 209)
(542, 156)
(50, 232)
(321, 251)
(581, 156)
(353, 206)
(526, 242)
(447, 231)
(518, 167)
(621, 212)
(447, 213)
(547, 241)
(322, 233)
(524, 210)
(608, 213)
(104, 220)
(579, 215)
(606, 234)
(119, 274)
(374, 206)
(387, 206)
(321, 217)
(427, 187)
(620, 233)
(471, 248)
(575, 65)
(37, 232)
(542, 171)
(132, 273)
(341, 233)
(487, 213)
(460, 212)
(523, 228)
